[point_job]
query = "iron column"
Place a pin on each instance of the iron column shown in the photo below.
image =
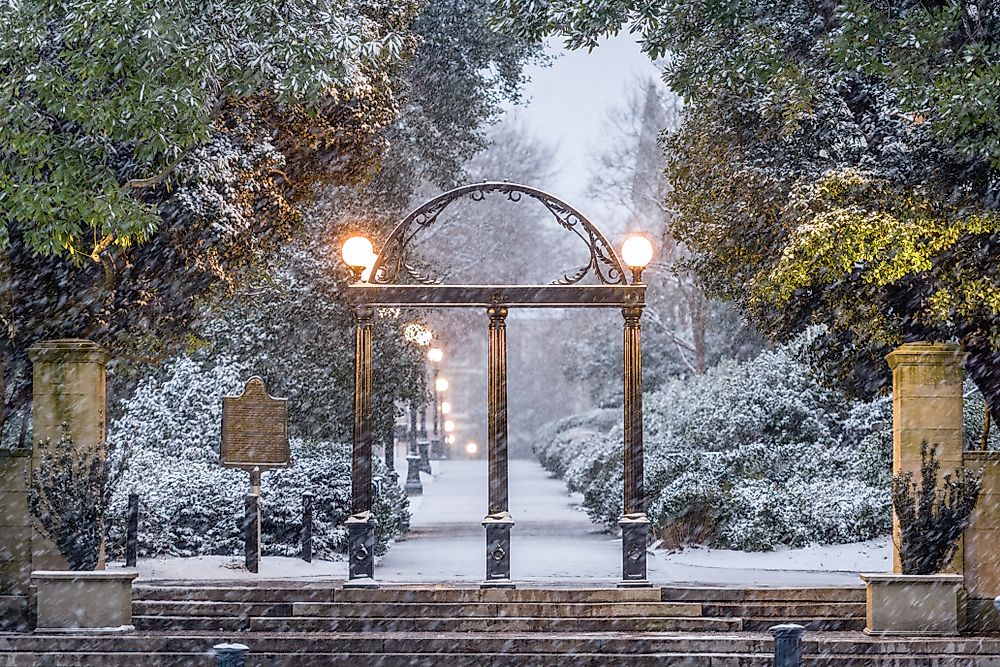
(361, 523)
(413, 485)
(498, 521)
(634, 523)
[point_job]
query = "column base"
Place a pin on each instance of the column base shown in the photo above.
(437, 449)
(361, 584)
(361, 548)
(413, 485)
(498, 550)
(635, 537)
(506, 585)
(425, 460)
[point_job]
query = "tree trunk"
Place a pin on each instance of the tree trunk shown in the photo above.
(983, 368)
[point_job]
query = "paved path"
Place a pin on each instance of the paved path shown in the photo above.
(553, 541)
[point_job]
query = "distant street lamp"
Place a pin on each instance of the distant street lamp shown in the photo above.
(436, 354)
(445, 407)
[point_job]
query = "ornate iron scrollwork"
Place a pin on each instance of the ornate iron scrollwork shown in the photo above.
(392, 264)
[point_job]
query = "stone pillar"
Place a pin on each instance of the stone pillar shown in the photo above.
(68, 388)
(926, 406)
(15, 540)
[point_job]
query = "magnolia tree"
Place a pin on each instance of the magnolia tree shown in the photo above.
(838, 163)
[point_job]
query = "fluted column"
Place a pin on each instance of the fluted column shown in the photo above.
(634, 524)
(361, 523)
(498, 521)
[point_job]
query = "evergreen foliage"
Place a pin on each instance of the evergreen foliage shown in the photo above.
(190, 505)
(932, 520)
(69, 494)
(838, 163)
(750, 455)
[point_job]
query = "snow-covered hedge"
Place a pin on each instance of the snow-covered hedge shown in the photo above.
(749, 456)
(190, 505)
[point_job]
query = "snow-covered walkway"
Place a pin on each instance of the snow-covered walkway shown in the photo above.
(553, 542)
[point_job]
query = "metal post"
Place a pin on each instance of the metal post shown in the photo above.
(361, 523)
(307, 526)
(132, 530)
(251, 532)
(413, 485)
(437, 448)
(787, 645)
(498, 521)
(424, 443)
(634, 523)
(230, 655)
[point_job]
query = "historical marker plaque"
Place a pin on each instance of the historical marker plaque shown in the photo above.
(255, 429)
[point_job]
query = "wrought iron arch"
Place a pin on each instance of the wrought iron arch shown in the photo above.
(382, 288)
(392, 264)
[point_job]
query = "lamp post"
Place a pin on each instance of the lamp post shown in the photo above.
(392, 281)
(440, 384)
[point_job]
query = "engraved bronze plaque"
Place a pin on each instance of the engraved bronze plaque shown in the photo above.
(254, 428)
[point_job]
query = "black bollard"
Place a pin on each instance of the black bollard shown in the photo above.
(230, 655)
(307, 526)
(132, 531)
(787, 644)
(251, 532)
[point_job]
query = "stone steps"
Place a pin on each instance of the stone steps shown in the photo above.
(372, 624)
(417, 649)
(708, 594)
(415, 609)
(283, 592)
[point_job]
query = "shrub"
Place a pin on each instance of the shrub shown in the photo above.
(932, 519)
(749, 455)
(190, 505)
(69, 492)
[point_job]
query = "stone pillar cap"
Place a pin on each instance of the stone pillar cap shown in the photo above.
(68, 350)
(926, 353)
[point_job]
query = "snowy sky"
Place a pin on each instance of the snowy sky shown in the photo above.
(567, 104)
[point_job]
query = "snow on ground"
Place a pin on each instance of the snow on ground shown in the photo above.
(228, 567)
(552, 542)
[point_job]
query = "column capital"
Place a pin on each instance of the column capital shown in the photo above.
(926, 354)
(68, 351)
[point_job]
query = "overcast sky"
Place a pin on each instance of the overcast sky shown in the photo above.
(567, 104)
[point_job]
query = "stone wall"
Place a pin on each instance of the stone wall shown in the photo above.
(982, 549)
(15, 539)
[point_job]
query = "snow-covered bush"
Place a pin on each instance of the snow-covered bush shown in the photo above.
(191, 505)
(750, 455)
(974, 418)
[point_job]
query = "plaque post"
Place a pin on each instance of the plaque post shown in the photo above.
(498, 521)
(361, 523)
(254, 438)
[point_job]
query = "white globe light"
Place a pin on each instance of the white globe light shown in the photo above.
(472, 448)
(357, 251)
(637, 251)
(449, 426)
(445, 408)
(435, 354)
(441, 384)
